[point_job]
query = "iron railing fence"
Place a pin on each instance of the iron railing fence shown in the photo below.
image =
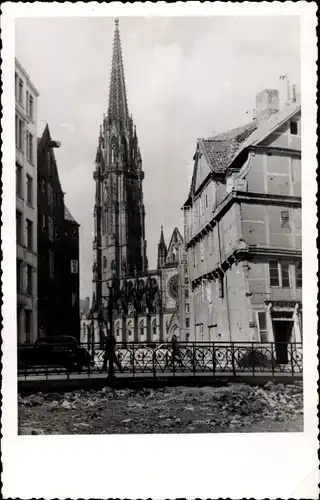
(158, 358)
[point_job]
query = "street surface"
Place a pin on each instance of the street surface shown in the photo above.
(233, 408)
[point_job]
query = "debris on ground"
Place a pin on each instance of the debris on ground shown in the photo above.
(231, 408)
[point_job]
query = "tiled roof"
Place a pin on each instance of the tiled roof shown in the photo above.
(220, 150)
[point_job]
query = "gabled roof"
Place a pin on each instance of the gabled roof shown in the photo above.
(266, 127)
(68, 216)
(220, 150)
(176, 236)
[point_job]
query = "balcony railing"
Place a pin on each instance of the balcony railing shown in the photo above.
(158, 359)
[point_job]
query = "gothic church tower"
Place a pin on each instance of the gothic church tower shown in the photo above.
(119, 213)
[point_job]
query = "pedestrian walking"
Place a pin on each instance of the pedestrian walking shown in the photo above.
(110, 354)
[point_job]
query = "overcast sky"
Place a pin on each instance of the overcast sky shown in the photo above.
(186, 78)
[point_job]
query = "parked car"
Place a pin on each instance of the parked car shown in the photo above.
(63, 351)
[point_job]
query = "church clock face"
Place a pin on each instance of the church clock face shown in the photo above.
(173, 287)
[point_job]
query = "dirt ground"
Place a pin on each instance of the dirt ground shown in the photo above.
(234, 408)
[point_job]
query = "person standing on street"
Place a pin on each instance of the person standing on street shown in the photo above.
(176, 354)
(110, 354)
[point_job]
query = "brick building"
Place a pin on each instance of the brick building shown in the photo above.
(58, 247)
(26, 97)
(243, 228)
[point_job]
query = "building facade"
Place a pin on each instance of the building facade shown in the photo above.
(71, 281)
(58, 248)
(145, 302)
(243, 229)
(26, 97)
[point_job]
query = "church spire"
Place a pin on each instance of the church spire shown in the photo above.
(162, 250)
(118, 107)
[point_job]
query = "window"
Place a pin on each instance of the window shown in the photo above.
(27, 327)
(29, 280)
(44, 221)
(19, 133)
(187, 308)
(16, 85)
(129, 328)
(285, 275)
(104, 263)
(299, 275)
(262, 321)
(18, 180)
(20, 91)
(186, 281)
(285, 219)
(30, 147)
(141, 329)
(43, 186)
(274, 273)
(118, 332)
(19, 228)
(154, 327)
(51, 264)
(50, 228)
(186, 294)
(206, 200)
(279, 274)
(19, 275)
(30, 107)
(187, 322)
(29, 189)
(293, 128)
(29, 233)
(74, 267)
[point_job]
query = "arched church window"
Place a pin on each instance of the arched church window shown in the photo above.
(118, 332)
(154, 327)
(141, 329)
(129, 329)
(104, 262)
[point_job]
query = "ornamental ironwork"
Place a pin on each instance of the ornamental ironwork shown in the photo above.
(157, 359)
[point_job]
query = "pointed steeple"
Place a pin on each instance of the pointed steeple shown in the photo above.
(162, 250)
(118, 107)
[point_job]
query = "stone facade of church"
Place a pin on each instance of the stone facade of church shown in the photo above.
(147, 305)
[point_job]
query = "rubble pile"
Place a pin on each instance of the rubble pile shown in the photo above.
(232, 408)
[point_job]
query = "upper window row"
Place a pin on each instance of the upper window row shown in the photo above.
(20, 139)
(281, 275)
(19, 92)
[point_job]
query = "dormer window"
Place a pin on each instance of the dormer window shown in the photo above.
(293, 128)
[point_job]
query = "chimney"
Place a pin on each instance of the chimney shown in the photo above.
(267, 104)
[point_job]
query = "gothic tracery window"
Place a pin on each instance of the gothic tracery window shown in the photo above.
(154, 327)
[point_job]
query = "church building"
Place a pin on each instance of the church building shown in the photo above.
(147, 305)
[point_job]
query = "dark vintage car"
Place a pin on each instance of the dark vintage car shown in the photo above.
(62, 351)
